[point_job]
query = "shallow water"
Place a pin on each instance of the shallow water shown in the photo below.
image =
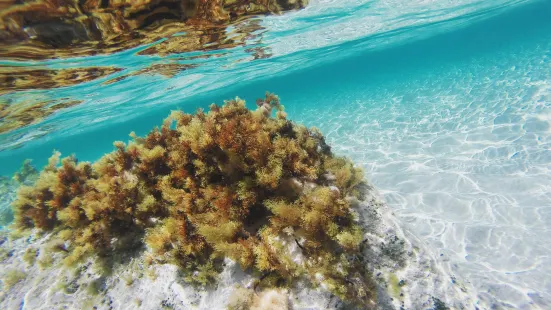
(448, 107)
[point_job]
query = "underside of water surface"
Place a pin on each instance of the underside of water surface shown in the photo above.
(446, 106)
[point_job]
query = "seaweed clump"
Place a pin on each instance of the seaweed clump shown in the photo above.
(231, 183)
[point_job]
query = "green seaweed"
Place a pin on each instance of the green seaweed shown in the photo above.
(96, 286)
(394, 284)
(4, 254)
(228, 183)
(12, 277)
(66, 286)
(29, 256)
(45, 261)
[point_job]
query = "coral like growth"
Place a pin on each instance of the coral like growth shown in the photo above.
(230, 183)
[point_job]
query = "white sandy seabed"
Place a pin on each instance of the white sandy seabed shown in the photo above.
(407, 273)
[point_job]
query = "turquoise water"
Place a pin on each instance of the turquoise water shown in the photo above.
(446, 104)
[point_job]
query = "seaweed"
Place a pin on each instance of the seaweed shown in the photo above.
(12, 277)
(228, 183)
(29, 256)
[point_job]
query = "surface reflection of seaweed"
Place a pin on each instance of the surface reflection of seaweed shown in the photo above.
(207, 38)
(44, 29)
(167, 70)
(14, 78)
(17, 115)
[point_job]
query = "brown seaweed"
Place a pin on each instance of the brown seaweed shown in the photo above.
(228, 183)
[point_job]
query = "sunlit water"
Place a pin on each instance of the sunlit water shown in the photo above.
(447, 104)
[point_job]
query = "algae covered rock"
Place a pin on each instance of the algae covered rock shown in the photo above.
(225, 184)
(225, 209)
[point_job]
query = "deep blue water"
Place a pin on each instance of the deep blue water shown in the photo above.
(447, 107)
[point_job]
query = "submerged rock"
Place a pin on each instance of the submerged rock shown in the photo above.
(407, 275)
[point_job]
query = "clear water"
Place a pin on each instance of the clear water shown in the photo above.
(447, 104)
